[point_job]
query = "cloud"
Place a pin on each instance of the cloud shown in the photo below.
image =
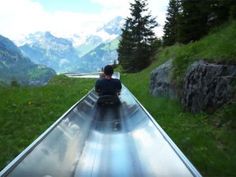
(21, 17)
(157, 7)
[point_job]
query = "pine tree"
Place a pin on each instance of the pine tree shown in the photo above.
(171, 25)
(192, 20)
(189, 20)
(221, 11)
(135, 48)
(125, 50)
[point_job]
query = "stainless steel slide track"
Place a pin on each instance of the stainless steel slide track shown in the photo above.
(90, 141)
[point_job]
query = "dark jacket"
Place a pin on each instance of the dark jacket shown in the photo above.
(108, 86)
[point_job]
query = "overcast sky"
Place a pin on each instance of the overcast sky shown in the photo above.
(66, 17)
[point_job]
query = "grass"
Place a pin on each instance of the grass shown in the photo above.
(217, 47)
(209, 147)
(26, 112)
(208, 140)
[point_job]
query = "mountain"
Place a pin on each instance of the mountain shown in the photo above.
(102, 55)
(15, 67)
(113, 27)
(107, 33)
(79, 53)
(57, 53)
(90, 43)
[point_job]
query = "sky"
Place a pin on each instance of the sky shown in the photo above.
(64, 18)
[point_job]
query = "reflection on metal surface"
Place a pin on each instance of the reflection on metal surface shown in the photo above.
(90, 75)
(101, 142)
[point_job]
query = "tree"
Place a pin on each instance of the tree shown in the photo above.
(171, 25)
(125, 49)
(135, 48)
(157, 44)
(192, 20)
(221, 11)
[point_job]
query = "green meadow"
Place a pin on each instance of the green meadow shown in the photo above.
(207, 139)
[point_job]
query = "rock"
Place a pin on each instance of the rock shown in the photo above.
(160, 84)
(207, 86)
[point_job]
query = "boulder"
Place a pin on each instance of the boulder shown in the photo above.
(207, 86)
(160, 84)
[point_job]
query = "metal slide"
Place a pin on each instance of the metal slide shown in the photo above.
(90, 141)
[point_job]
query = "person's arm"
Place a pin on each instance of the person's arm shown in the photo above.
(119, 87)
(97, 87)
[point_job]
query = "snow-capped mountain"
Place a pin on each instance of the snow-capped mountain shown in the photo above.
(113, 27)
(102, 55)
(104, 34)
(57, 53)
(89, 44)
(15, 67)
(78, 53)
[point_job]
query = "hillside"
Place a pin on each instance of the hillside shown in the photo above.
(15, 67)
(54, 52)
(26, 112)
(102, 55)
(218, 47)
(208, 140)
(85, 53)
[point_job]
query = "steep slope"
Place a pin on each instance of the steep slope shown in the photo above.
(102, 55)
(76, 54)
(14, 66)
(208, 140)
(218, 47)
(107, 33)
(54, 52)
(113, 27)
(90, 43)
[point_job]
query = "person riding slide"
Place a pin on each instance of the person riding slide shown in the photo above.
(108, 88)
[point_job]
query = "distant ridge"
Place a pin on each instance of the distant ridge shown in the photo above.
(14, 67)
(74, 54)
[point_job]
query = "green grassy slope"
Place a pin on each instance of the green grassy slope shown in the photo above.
(209, 147)
(218, 47)
(208, 140)
(26, 112)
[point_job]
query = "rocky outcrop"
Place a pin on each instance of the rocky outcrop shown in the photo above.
(160, 84)
(207, 86)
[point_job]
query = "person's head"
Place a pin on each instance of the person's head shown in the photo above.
(108, 70)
